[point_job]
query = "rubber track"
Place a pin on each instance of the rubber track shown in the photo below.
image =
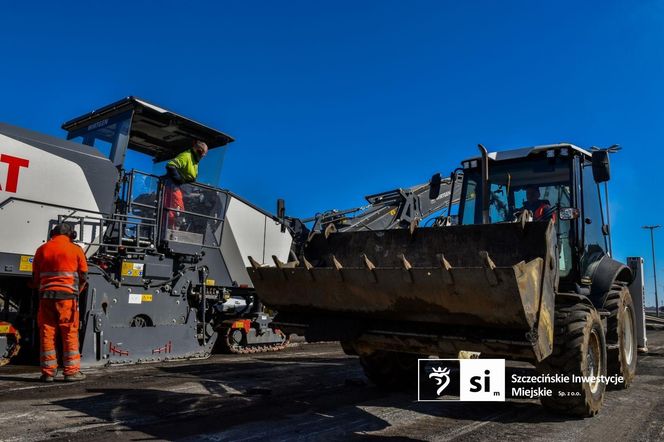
(227, 347)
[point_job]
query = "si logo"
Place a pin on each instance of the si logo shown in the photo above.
(480, 380)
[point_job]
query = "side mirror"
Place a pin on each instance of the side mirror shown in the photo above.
(434, 186)
(601, 168)
(281, 208)
(281, 213)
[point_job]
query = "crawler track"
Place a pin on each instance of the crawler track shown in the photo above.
(226, 344)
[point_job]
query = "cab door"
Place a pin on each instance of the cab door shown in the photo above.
(594, 244)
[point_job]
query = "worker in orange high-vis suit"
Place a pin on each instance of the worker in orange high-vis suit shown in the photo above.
(60, 272)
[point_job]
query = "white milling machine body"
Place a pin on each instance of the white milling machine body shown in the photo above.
(158, 288)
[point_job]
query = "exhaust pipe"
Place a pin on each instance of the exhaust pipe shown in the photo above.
(485, 184)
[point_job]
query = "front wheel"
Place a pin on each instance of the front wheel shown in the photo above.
(579, 350)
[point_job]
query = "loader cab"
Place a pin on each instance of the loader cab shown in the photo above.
(139, 138)
(563, 176)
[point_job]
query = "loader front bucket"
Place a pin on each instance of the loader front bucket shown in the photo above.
(493, 280)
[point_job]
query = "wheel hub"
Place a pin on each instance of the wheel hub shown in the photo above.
(593, 360)
(628, 336)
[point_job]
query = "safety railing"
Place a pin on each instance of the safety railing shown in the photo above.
(191, 213)
(110, 233)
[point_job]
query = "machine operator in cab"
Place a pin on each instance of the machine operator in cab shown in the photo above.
(541, 209)
(180, 170)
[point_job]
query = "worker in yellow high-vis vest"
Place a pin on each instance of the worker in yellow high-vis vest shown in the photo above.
(181, 170)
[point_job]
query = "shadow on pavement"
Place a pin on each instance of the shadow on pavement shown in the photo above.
(271, 396)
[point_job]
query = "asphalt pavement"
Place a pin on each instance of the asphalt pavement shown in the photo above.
(306, 392)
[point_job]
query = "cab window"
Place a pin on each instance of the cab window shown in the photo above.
(594, 241)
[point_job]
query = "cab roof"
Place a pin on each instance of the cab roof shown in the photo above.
(523, 152)
(154, 130)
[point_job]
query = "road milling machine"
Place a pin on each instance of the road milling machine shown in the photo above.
(501, 281)
(160, 287)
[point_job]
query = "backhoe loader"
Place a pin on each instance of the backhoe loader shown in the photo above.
(504, 281)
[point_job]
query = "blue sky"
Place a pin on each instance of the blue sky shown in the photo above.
(330, 101)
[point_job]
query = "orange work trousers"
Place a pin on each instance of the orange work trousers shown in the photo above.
(173, 200)
(58, 317)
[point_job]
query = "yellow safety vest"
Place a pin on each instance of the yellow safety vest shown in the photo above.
(186, 165)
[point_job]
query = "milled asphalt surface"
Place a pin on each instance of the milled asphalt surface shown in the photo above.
(306, 392)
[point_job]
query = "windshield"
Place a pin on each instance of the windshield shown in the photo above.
(109, 135)
(536, 183)
(112, 137)
(209, 168)
(517, 185)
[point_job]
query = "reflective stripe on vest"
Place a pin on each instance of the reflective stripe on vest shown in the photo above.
(61, 280)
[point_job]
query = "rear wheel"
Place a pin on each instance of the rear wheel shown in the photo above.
(621, 335)
(391, 370)
(579, 349)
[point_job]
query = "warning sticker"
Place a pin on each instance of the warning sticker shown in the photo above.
(132, 269)
(26, 263)
(135, 298)
(146, 298)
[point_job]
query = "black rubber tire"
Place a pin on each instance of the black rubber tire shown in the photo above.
(391, 370)
(574, 327)
(621, 308)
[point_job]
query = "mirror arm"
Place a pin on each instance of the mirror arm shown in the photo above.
(453, 177)
(281, 213)
(608, 215)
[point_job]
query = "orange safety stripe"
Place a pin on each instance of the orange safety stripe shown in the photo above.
(49, 280)
(59, 317)
(74, 274)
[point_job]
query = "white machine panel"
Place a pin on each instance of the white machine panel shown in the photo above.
(256, 234)
(46, 178)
